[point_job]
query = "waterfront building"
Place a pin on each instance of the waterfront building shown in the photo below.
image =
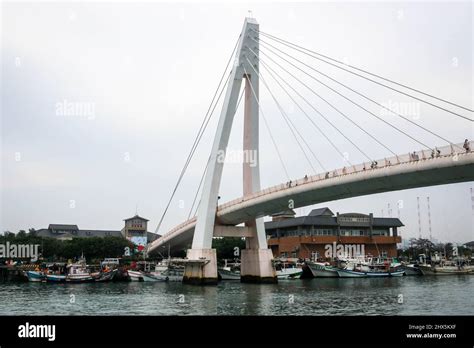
(135, 230)
(309, 236)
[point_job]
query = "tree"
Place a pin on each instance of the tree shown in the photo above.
(228, 247)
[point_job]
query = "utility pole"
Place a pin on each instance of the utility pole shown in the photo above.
(429, 217)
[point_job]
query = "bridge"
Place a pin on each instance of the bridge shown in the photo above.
(243, 217)
(395, 173)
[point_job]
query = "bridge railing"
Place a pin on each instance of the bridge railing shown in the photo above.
(421, 155)
(449, 150)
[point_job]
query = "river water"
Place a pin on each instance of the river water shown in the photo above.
(448, 295)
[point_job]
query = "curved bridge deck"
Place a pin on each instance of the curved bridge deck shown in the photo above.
(452, 165)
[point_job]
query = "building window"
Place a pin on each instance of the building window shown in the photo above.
(380, 232)
(354, 233)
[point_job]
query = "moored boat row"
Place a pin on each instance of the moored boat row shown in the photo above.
(356, 268)
(77, 274)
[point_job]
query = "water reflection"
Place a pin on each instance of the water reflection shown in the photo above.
(448, 295)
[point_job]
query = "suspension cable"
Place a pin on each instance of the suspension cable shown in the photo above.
(288, 122)
(270, 70)
(198, 137)
(353, 102)
(335, 108)
(305, 51)
(269, 132)
(207, 164)
(364, 96)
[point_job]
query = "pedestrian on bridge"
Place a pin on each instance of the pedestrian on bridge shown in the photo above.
(466, 145)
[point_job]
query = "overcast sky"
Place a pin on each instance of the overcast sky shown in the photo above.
(147, 73)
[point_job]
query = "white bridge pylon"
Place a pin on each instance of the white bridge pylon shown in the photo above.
(256, 259)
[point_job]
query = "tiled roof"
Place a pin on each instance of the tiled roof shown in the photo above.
(136, 217)
(63, 227)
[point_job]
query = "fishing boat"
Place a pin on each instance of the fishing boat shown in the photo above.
(288, 268)
(322, 270)
(172, 273)
(412, 270)
(78, 273)
(347, 273)
(35, 276)
(230, 270)
(226, 273)
(106, 276)
(389, 273)
(289, 273)
(445, 270)
(372, 268)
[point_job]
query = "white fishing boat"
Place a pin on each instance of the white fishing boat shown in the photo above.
(289, 273)
(173, 274)
(168, 270)
(230, 270)
(288, 268)
(78, 273)
(226, 273)
(347, 273)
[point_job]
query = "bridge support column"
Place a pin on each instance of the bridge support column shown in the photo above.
(202, 268)
(257, 267)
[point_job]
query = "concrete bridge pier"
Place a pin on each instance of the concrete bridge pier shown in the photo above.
(257, 267)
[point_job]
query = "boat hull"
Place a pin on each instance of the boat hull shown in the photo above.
(344, 273)
(412, 271)
(289, 273)
(385, 274)
(441, 271)
(79, 279)
(108, 276)
(34, 276)
(148, 277)
(228, 275)
(53, 278)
